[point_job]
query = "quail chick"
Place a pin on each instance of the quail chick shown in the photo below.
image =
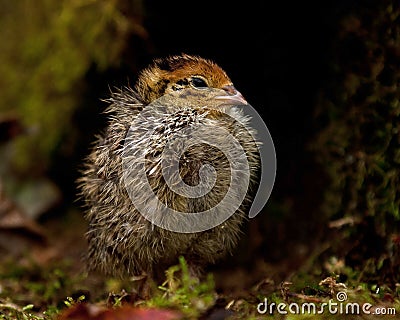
(122, 242)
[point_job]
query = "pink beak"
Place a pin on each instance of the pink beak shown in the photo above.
(233, 96)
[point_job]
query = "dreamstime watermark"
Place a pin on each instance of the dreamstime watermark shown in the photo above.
(171, 132)
(340, 306)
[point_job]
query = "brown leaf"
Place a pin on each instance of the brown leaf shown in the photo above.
(19, 233)
(82, 311)
(91, 312)
(13, 219)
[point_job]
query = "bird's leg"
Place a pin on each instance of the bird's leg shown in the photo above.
(144, 285)
(194, 268)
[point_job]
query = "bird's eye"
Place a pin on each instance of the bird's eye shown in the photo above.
(198, 82)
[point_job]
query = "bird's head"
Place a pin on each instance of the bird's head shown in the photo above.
(175, 73)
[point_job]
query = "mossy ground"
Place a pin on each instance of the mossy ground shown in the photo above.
(28, 293)
(30, 290)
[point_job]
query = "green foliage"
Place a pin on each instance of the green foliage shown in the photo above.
(69, 301)
(359, 140)
(31, 292)
(46, 49)
(20, 299)
(184, 292)
(11, 312)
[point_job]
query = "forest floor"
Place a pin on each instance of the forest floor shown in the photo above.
(48, 281)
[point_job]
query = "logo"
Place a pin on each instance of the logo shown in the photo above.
(171, 133)
(341, 306)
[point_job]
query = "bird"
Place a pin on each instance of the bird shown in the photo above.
(190, 90)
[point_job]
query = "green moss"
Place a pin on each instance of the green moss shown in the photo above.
(183, 292)
(31, 292)
(359, 143)
(34, 292)
(45, 57)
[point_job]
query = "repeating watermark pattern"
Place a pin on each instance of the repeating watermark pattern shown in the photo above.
(340, 306)
(157, 143)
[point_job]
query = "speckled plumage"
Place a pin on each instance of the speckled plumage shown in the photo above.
(121, 241)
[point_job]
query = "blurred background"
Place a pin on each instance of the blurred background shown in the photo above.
(324, 76)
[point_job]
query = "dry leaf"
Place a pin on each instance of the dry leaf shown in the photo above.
(85, 311)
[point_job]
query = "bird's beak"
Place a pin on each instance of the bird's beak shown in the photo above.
(232, 96)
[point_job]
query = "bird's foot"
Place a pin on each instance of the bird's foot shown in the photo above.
(144, 284)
